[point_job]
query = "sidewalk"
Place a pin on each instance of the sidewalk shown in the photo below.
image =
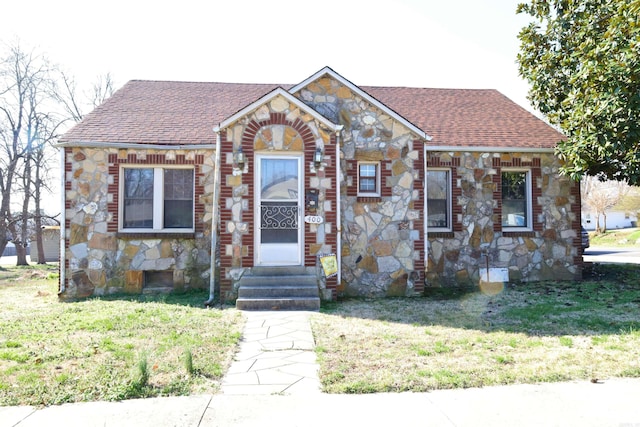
(273, 382)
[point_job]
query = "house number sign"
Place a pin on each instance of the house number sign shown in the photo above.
(313, 219)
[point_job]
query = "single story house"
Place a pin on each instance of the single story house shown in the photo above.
(616, 218)
(349, 190)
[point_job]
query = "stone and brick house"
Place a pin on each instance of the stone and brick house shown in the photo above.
(405, 188)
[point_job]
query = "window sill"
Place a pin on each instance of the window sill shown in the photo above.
(155, 235)
(447, 234)
(525, 232)
(368, 199)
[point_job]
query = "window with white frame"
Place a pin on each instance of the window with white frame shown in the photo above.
(369, 179)
(157, 199)
(516, 199)
(439, 200)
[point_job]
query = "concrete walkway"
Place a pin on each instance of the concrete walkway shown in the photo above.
(273, 382)
(276, 356)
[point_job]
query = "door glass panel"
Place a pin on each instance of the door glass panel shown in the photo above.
(279, 179)
(279, 210)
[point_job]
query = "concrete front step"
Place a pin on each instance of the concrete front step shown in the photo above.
(294, 270)
(311, 304)
(263, 291)
(278, 288)
(296, 280)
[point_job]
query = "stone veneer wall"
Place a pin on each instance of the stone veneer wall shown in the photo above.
(99, 259)
(382, 237)
(551, 250)
(276, 126)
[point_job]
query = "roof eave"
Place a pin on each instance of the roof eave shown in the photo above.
(134, 145)
(490, 149)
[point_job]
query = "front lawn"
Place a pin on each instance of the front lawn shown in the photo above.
(114, 348)
(527, 333)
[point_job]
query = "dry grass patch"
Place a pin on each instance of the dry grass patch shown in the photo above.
(526, 334)
(53, 352)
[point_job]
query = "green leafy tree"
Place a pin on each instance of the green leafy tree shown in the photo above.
(582, 61)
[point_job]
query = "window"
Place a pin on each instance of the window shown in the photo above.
(368, 179)
(438, 200)
(156, 198)
(516, 199)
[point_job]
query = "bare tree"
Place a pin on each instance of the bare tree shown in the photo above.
(37, 102)
(24, 82)
(28, 126)
(77, 105)
(600, 196)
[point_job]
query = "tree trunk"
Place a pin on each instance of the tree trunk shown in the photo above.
(598, 230)
(24, 225)
(21, 252)
(38, 219)
(604, 226)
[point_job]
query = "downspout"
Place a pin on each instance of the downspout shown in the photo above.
(214, 220)
(63, 230)
(426, 216)
(338, 207)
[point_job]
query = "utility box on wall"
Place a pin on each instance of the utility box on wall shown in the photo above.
(311, 199)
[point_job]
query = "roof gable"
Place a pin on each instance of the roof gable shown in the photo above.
(271, 97)
(328, 72)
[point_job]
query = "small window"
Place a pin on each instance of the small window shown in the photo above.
(158, 279)
(438, 200)
(156, 199)
(368, 179)
(516, 199)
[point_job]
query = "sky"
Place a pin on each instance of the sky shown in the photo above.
(417, 43)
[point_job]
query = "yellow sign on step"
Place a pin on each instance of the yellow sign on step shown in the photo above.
(329, 264)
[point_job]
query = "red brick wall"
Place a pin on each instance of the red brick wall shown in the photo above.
(244, 257)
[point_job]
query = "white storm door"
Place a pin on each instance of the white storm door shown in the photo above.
(278, 210)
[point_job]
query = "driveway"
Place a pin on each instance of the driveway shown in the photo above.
(616, 255)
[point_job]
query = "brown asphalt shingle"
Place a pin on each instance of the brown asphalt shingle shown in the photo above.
(163, 112)
(468, 117)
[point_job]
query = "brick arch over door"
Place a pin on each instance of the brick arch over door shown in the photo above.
(233, 255)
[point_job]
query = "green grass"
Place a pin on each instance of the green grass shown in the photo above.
(128, 347)
(112, 348)
(527, 334)
(624, 237)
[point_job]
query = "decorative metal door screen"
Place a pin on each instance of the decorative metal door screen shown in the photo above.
(279, 222)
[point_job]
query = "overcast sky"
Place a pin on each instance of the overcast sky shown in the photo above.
(421, 43)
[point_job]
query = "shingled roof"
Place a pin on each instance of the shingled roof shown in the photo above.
(165, 112)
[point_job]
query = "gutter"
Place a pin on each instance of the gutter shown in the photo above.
(450, 148)
(137, 146)
(214, 220)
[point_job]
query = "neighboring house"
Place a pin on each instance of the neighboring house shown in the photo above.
(10, 249)
(406, 187)
(615, 219)
(50, 243)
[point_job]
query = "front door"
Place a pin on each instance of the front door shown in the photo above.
(278, 210)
